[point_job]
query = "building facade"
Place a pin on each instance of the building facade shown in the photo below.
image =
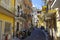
(14, 14)
(27, 6)
(23, 10)
(56, 6)
(27, 12)
(6, 17)
(34, 16)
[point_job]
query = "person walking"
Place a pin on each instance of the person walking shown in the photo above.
(6, 37)
(15, 38)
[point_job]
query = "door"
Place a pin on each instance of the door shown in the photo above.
(7, 30)
(0, 29)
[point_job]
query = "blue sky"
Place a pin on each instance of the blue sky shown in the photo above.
(37, 3)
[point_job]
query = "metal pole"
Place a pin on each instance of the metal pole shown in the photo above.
(14, 19)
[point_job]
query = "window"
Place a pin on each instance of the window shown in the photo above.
(30, 1)
(18, 11)
(7, 27)
(6, 1)
(28, 7)
(20, 6)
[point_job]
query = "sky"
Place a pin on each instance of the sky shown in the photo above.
(37, 3)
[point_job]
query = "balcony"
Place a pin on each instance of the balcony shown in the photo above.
(3, 4)
(6, 9)
(7, 6)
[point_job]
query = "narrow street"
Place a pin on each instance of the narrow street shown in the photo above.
(29, 19)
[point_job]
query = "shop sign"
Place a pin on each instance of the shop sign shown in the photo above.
(44, 8)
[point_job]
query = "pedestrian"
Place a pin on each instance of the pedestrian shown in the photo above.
(23, 35)
(6, 37)
(20, 35)
(9, 37)
(29, 32)
(42, 28)
(16, 38)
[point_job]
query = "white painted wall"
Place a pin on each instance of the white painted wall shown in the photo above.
(35, 18)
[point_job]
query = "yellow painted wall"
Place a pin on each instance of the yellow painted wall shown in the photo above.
(41, 20)
(6, 18)
(0, 1)
(12, 3)
(58, 28)
(12, 6)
